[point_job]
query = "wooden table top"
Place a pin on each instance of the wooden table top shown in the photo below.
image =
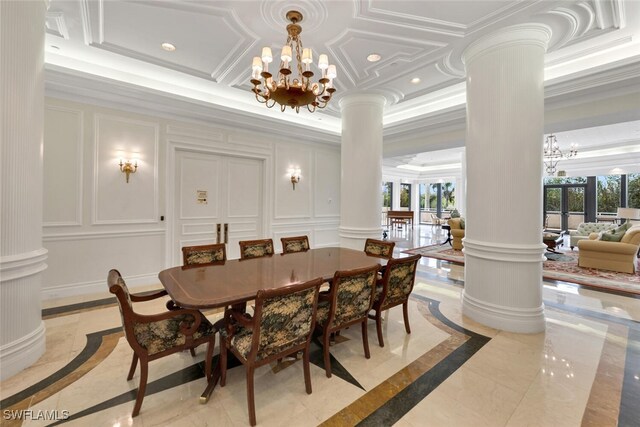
(240, 280)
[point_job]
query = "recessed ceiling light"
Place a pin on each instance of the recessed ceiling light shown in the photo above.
(168, 47)
(415, 80)
(374, 57)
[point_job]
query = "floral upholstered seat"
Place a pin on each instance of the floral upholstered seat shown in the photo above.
(347, 303)
(585, 229)
(379, 248)
(294, 244)
(281, 325)
(397, 284)
(256, 248)
(204, 254)
(154, 336)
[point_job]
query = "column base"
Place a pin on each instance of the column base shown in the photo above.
(22, 353)
(354, 238)
(519, 320)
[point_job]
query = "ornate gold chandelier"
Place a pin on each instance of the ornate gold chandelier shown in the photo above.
(286, 90)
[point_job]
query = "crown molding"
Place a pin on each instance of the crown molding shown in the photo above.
(88, 88)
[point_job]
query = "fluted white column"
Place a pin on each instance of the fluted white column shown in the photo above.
(361, 195)
(505, 118)
(22, 257)
(461, 187)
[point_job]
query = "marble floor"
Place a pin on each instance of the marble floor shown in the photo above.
(450, 371)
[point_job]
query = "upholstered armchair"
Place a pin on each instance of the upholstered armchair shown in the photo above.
(585, 229)
(348, 303)
(282, 324)
(457, 232)
(256, 248)
(619, 256)
(294, 244)
(379, 248)
(154, 336)
(397, 284)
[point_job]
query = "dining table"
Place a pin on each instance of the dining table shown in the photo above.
(236, 281)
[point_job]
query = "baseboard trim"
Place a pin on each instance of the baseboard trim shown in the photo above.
(22, 353)
(95, 287)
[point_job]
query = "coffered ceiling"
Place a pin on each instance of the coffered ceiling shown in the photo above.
(216, 40)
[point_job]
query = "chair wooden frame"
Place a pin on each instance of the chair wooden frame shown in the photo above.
(332, 296)
(285, 240)
(381, 305)
(129, 318)
(233, 316)
(188, 250)
(383, 243)
(244, 244)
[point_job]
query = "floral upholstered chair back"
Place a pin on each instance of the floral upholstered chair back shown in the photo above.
(117, 286)
(398, 280)
(379, 248)
(284, 318)
(352, 295)
(256, 248)
(295, 244)
(204, 254)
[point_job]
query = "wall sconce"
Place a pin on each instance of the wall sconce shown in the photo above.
(128, 168)
(295, 176)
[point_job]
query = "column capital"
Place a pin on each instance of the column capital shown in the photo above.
(531, 33)
(362, 98)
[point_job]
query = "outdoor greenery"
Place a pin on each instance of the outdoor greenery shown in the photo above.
(386, 194)
(633, 190)
(405, 195)
(608, 193)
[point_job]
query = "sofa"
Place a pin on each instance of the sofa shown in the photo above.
(457, 232)
(585, 229)
(619, 256)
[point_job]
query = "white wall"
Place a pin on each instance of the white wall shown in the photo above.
(94, 221)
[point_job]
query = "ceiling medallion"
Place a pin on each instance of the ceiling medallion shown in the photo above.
(286, 90)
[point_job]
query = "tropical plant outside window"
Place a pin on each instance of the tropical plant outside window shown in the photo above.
(405, 195)
(448, 196)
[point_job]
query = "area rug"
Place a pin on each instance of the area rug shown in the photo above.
(562, 266)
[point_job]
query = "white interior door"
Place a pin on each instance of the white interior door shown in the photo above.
(216, 192)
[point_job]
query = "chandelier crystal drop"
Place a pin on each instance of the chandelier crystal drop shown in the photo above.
(289, 90)
(552, 154)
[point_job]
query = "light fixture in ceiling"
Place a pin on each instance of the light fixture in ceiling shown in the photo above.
(374, 57)
(287, 91)
(415, 80)
(168, 47)
(552, 154)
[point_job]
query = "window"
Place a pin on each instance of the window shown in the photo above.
(387, 194)
(608, 193)
(424, 194)
(433, 196)
(448, 196)
(405, 196)
(633, 190)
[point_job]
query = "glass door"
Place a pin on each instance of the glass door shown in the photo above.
(564, 206)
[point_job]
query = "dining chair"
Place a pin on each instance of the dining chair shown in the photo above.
(154, 336)
(294, 244)
(256, 248)
(204, 254)
(281, 325)
(394, 289)
(379, 248)
(347, 303)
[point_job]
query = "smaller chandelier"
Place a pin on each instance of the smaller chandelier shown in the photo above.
(286, 89)
(552, 154)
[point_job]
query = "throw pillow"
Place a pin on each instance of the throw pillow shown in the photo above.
(622, 229)
(455, 213)
(615, 237)
(462, 223)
